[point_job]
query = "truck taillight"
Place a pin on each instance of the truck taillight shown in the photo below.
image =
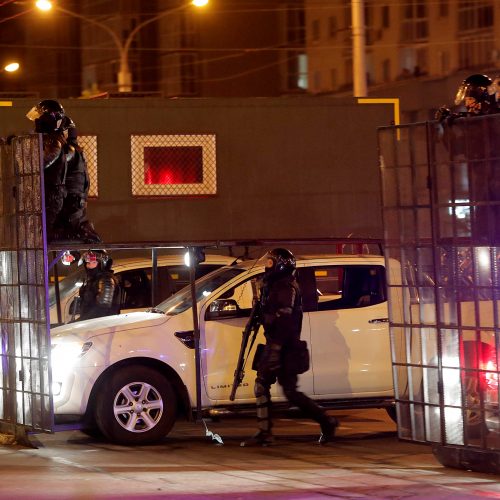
(491, 374)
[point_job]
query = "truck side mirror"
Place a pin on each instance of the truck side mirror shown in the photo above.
(223, 308)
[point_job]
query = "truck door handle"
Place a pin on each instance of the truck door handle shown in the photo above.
(379, 320)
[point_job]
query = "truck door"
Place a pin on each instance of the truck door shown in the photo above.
(222, 346)
(350, 347)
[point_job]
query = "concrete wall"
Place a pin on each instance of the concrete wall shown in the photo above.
(286, 167)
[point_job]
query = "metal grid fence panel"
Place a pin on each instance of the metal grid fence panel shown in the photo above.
(89, 145)
(25, 397)
(441, 201)
(173, 165)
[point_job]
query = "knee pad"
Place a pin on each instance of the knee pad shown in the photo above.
(260, 389)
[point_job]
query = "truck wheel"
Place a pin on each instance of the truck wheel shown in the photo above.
(475, 356)
(136, 405)
(475, 423)
(471, 354)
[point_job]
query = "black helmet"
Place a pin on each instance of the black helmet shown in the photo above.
(48, 116)
(280, 261)
(476, 86)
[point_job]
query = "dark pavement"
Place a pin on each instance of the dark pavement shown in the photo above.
(367, 461)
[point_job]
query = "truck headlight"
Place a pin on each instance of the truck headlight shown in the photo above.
(64, 355)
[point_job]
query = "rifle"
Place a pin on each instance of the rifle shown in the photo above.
(251, 329)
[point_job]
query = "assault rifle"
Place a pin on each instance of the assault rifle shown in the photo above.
(251, 329)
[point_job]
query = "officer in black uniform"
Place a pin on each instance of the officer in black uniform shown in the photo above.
(65, 174)
(281, 311)
(100, 293)
(73, 217)
(474, 144)
(478, 96)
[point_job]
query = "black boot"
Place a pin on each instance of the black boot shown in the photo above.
(261, 438)
(53, 236)
(328, 429)
(86, 233)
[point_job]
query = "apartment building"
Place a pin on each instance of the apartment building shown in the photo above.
(228, 48)
(406, 41)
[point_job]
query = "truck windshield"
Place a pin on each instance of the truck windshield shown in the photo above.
(67, 285)
(204, 287)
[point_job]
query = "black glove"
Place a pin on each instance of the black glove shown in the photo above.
(271, 358)
(442, 113)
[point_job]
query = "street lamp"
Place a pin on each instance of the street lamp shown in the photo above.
(11, 67)
(123, 46)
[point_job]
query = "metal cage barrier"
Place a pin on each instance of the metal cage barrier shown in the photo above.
(28, 265)
(25, 399)
(441, 207)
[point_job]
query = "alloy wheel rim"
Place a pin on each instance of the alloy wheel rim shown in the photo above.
(138, 407)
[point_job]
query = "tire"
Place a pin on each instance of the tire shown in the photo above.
(475, 424)
(473, 388)
(137, 405)
(474, 421)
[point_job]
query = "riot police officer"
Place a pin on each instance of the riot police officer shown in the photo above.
(477, 94)
(281, 312)
(73, 217)
(472, 146)
(65, 174)
(100, 293)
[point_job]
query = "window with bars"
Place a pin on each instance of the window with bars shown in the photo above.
(89, 145)
(173, 165)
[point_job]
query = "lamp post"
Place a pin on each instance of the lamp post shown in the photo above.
(11, 67)
(359, 47)
(123, 46)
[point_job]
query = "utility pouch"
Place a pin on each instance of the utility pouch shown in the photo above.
(301, 357)
(259, 350)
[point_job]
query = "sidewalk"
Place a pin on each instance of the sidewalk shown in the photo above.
(366, 462)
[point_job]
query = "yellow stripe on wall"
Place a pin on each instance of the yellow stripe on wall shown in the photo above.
(383, 100)
(5, 103)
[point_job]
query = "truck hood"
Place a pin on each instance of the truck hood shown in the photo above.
(82, 330)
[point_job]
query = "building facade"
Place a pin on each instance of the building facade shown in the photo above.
(228, 48)
(406, 42)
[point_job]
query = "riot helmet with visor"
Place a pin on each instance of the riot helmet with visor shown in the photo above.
(474, 93)
(279, 262)
(48, 116)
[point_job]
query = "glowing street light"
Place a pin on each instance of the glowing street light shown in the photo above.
(123, 46)
(11, 67)
(43, 5)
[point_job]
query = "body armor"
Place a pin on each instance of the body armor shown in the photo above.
(281, 304)
(99, 295)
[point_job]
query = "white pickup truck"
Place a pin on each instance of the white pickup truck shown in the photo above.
(132, 374)
(134, 275)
